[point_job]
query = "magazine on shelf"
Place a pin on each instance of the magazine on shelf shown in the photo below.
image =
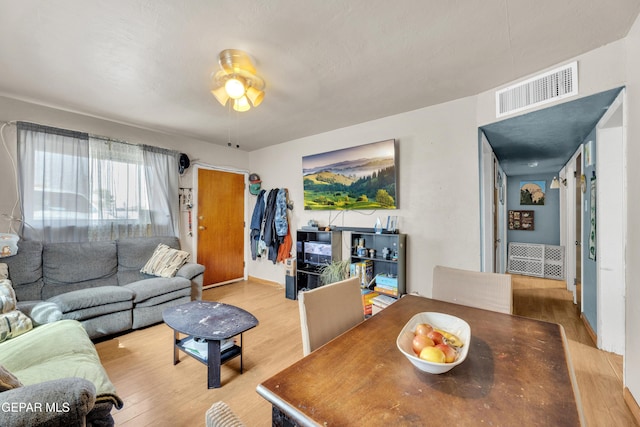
(200, 348)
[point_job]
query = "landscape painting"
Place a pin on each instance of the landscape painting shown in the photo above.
(361, 177)
(532, 192)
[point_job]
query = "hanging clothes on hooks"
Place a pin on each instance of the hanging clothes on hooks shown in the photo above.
(270, 235)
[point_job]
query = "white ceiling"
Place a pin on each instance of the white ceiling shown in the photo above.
(327, 64)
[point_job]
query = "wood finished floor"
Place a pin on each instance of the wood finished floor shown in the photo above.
(156, 393)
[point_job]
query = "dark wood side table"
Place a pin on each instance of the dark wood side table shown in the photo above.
(212, 322)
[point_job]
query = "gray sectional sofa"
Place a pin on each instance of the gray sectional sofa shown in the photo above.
(99, 284)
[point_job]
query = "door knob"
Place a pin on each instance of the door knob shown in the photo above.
(202, 227)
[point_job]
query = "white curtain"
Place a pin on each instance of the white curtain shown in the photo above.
(161, 168)
(80, 187)
(54, 164)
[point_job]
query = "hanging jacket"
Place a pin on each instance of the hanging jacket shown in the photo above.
(256, 224)
(270, 236)
(280, 220)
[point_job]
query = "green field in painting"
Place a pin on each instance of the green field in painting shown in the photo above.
(322, 200)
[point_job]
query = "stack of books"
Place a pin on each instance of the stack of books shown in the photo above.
(367, 300)
(380, 302)
(386, 284)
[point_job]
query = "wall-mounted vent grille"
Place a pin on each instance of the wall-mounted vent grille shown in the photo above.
(541, 89)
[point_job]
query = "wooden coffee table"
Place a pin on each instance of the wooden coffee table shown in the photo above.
(212, 322)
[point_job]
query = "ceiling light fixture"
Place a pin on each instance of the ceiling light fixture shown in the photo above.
(237, 80)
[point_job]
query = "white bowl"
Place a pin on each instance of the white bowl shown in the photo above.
(446, 322)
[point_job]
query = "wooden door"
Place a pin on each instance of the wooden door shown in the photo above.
(220, 225)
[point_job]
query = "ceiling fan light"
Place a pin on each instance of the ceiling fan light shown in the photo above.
(241, 104)
(235, 87)
(221, 95)
(255, 96)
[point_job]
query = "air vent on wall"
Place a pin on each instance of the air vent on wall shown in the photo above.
(541, 89)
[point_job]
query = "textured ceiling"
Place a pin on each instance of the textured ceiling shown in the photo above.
(327, 64)
(547, 137)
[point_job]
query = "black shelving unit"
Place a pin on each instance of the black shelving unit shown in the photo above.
(314, 249)
(388, 257)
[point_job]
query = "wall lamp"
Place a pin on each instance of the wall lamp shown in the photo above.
(555, 183)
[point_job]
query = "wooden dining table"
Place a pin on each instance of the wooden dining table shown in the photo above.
(517, 373)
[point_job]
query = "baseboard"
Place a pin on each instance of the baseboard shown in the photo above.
(265, 282)
(590, 331)
(632, 404)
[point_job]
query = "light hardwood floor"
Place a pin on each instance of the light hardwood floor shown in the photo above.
(159, 394)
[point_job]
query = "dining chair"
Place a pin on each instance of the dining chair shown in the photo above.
(328, 311)
(491, 291)
(220, 415)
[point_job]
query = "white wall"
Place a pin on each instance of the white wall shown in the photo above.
(437, 183)
(12, 110)
(632, 345)
(598, 70)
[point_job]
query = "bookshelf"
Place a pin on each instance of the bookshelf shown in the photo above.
(383, 257)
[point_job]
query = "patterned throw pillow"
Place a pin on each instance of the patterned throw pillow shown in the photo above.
(4, 271)
(165, 261)
(14, 323)
(8, 381)
(7, 296)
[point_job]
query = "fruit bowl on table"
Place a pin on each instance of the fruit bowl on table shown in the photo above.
(445, 322)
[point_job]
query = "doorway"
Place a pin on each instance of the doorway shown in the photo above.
(220, 223)
(578, 190)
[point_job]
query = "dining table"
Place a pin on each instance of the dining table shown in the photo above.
(517, 372)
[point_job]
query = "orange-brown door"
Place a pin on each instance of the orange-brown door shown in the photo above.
(220, 225)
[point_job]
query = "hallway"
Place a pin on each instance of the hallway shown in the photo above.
(598, 373)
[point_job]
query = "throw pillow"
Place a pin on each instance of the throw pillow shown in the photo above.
(14, 323)
(165, 261)
(42, 312)
(8, 381)
(7, 296)
(4, 271)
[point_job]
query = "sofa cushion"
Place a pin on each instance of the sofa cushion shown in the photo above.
(25, 270)
(99, 311)
(133, 254)
(91, 297)
(154, 286)
(165, 261)
(7, 296)
(54, 351)
(98, 262)
(8, 381)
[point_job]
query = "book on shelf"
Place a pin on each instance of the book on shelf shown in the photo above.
(363, 270)
(387, 291)
(367, 300)
(383, 301)
(200, 347)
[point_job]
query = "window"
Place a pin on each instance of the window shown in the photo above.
(80, 187)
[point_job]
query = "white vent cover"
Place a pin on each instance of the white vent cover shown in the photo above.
(541, 89)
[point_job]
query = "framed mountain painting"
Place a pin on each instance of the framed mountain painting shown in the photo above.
(360, 177)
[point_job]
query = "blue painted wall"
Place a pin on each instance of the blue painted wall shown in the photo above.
(546, 217)
(589, 270)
